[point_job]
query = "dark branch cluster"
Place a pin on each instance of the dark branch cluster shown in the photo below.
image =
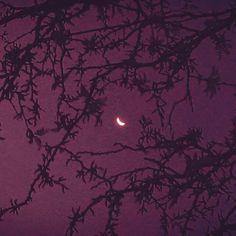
(146, 46)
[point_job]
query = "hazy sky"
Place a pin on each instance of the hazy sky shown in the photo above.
(47, 215)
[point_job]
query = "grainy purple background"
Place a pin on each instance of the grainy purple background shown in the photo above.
(47, 215)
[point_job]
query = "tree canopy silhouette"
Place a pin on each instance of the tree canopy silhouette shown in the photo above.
(80, 49)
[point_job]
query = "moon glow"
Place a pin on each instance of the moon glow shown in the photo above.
(119, 122)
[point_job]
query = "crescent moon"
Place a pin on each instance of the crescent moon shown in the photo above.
(119, 122)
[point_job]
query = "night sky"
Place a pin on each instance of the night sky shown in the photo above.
(108, 145)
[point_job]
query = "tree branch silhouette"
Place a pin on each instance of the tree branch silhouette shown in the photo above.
(149, 36)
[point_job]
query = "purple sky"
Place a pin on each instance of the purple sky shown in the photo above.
(47, 214)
